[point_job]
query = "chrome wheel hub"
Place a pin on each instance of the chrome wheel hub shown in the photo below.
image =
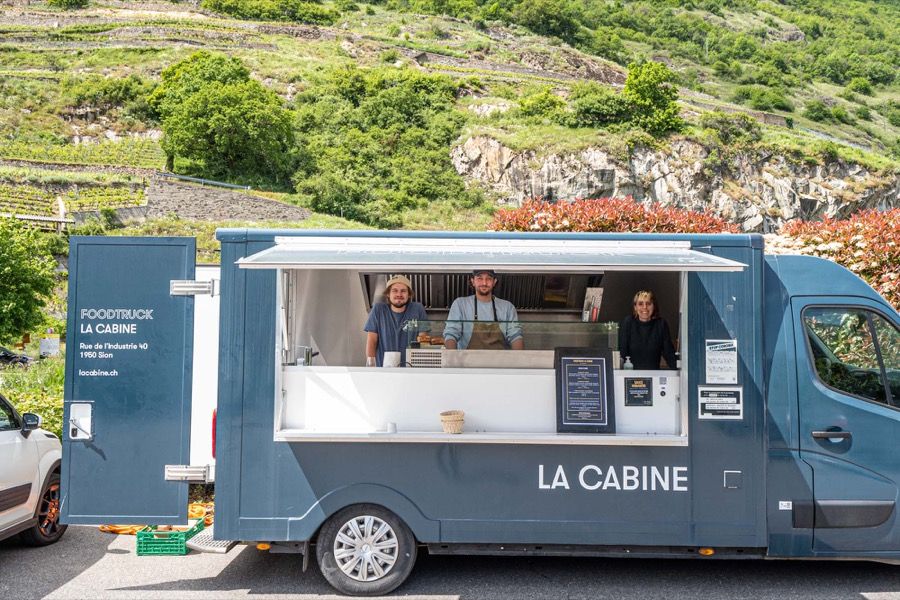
(365, 548)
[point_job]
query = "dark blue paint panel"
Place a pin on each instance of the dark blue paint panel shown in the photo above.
(728, 306)
(241, 321)
(129, 350)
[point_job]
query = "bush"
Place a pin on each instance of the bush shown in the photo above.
(815, 110)
(866, 243)
(732, 128)
(860, 85)
(891, 112)
(67, 4)
(454, 8)
(840, 114)
(760, 97)
(542, 105)
(104, 93)
(863, 113)
(548, 17)
(606, 214)
(390, 55)
(595, 105)
(274, 10)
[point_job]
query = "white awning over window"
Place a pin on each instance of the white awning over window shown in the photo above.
(464, 254)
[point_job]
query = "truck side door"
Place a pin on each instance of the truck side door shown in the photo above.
(127, 399)
(848, 378)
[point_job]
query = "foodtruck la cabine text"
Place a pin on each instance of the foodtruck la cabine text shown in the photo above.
(772, 436)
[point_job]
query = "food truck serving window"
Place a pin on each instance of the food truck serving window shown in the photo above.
(328, 286)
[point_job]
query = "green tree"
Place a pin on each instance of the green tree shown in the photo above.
(186, 77)
(376, 143)
(26, 278)
(607, 44)
(653, 98)
(213, 113)
(548, 17)
(236, 129)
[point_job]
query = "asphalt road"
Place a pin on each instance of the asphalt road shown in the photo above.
(89, 564)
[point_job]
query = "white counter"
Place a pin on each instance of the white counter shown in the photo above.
(502, 406)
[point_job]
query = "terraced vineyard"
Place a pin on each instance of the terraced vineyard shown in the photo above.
(128, 152)
(28, 200)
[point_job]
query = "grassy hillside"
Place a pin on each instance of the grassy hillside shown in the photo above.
(371, 97)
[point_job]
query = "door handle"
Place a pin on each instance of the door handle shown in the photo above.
(843, 435)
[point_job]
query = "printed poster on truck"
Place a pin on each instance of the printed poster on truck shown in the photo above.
(721, 361)
(720, 402)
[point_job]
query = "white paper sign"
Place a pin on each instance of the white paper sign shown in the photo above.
(721, 361)
(49, 344)
(723, 403)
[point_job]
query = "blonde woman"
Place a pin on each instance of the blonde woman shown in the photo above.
(644, 336)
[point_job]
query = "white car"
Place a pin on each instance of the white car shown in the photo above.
(29, 478)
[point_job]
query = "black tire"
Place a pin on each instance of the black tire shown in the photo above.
(397, 542)
(48, 529)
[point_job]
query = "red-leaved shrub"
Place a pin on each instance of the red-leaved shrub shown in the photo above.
(868, 243)
(606, 214)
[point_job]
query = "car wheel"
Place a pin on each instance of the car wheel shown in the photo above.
(365, 550)
(48, 529)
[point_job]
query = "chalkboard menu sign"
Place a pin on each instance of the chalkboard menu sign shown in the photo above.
(584, 386)
(639, 391)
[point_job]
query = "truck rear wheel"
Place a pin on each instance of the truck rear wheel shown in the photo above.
(365, 550)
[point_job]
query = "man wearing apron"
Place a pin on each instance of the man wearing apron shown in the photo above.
(483, 321)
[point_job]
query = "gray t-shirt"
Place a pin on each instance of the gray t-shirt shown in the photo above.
(395, 330)
(462, 313)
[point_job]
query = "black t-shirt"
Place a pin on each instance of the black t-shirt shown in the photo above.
(646, 342)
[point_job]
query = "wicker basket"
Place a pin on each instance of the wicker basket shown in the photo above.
(452, 421)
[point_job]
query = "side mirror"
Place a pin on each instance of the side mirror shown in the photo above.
(30, 422)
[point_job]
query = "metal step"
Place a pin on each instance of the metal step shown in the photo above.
(204, 542)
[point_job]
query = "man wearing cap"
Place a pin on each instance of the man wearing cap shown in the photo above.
(387, 327)
(483, 321)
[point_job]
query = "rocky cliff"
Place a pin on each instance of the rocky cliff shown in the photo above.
(760, 190)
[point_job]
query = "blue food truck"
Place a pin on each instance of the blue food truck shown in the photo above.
(772, 436)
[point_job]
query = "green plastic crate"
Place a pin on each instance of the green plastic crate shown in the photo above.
(152, 542)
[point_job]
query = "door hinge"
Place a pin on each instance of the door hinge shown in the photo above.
(191, 473)
(192, 287)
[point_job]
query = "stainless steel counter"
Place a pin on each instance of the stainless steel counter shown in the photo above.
(497, 359)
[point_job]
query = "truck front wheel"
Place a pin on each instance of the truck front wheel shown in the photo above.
(365, 550)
